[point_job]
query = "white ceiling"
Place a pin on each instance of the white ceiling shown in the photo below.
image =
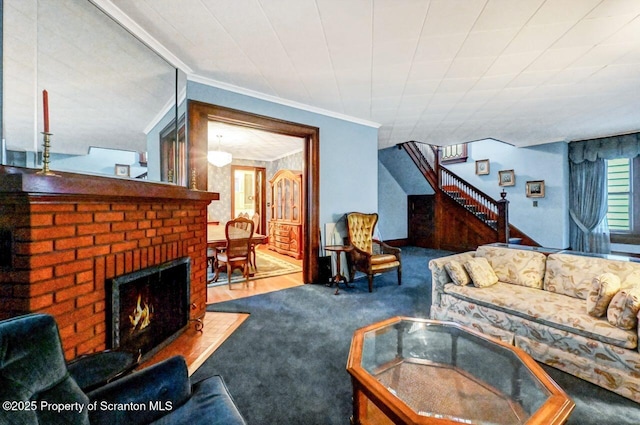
(441, 71)
(252, 144)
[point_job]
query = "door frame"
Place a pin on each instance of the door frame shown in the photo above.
(199, 115)
(261, 192)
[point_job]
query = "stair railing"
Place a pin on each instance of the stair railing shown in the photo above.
(426, 159)
(464, 193)
(491, 212)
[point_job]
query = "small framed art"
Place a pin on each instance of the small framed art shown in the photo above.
(122, 170)
(482, 167)
(535, 189)
(506, 178)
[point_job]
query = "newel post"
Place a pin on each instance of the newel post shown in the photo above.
(503, 218)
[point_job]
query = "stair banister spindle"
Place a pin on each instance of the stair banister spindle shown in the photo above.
(485, 208)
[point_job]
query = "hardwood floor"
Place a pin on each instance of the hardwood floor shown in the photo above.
(197, 346)
(222, 293)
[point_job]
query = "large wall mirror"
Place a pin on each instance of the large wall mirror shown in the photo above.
(115, 106)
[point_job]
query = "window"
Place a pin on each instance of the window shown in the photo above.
(453, 153)
(624, 199)
(619, 188)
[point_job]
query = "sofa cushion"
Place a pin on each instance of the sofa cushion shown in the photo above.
(572, 275)
(603, 289)
(210, 404)
(515, 266)
(555, 310)
(457, 273)
(624, 308)
(480, 272)
(632, 279)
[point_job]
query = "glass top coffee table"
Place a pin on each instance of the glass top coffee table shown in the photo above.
(417, 371)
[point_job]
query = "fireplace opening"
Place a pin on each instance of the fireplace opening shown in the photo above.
(149, 307)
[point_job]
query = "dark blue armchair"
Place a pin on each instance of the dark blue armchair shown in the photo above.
(36, 388)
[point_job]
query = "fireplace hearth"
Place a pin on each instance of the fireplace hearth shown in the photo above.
(149, 307)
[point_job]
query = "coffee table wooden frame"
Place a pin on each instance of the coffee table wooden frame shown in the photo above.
(555, 411)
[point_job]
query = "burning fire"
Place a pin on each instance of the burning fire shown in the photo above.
(141, 317)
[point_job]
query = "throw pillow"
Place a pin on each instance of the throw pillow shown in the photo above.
(481, 272)
(603, 289)
(624, 308)
(458, 273)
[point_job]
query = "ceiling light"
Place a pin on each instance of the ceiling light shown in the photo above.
(218, 157)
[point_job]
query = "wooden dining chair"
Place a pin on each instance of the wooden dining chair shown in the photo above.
(256, 224)
(236, 253)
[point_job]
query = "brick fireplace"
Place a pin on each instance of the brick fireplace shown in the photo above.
(63, 237)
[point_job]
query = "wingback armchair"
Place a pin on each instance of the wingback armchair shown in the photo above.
(34, 377)
(370, 255)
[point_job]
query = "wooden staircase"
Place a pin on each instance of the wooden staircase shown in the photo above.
(465, 217)
(483, 214)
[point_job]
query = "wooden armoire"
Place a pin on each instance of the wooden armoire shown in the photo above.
(285, 224)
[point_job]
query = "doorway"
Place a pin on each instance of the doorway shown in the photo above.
(200, 113)
(248, 189)
(421, 220)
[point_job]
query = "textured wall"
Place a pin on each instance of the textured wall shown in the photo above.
(220, 181)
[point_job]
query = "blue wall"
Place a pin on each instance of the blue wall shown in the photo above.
(398, 178)
(548, 223)
(392, 208)
(348, 151)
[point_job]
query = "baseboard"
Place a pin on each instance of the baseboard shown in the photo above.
(397, 242)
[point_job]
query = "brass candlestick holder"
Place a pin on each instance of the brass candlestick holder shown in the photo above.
(46, 156)
(194, 180)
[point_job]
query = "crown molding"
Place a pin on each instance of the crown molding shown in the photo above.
(123, 19)
(240, 90)
(130, 25)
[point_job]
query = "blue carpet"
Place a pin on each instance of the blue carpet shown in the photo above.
(286, 363)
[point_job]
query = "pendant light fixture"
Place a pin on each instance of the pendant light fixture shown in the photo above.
(218, 157)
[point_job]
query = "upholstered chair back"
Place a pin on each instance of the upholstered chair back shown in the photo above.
(361, 227)
(33, 369)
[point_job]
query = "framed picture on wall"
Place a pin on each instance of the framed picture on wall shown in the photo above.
(535, 189)
(122, 170)
(506, 178)
(482, 167)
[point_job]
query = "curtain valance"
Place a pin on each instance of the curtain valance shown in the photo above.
(627, 146)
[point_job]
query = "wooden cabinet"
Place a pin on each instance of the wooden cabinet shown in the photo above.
(285, 225)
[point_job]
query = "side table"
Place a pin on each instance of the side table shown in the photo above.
(338, 249)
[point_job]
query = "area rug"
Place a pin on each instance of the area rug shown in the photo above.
(286, 364)
(268, 266)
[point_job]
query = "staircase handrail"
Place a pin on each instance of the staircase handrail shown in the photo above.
(426, 159)
(430, 154)
(485, 202)
(491, 212)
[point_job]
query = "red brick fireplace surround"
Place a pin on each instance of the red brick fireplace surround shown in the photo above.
(62, 237)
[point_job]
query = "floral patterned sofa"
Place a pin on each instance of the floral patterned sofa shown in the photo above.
(542, 304)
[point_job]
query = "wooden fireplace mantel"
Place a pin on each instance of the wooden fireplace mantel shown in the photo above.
(26, 180)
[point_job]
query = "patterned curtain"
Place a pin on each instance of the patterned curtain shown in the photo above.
(589, 230)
